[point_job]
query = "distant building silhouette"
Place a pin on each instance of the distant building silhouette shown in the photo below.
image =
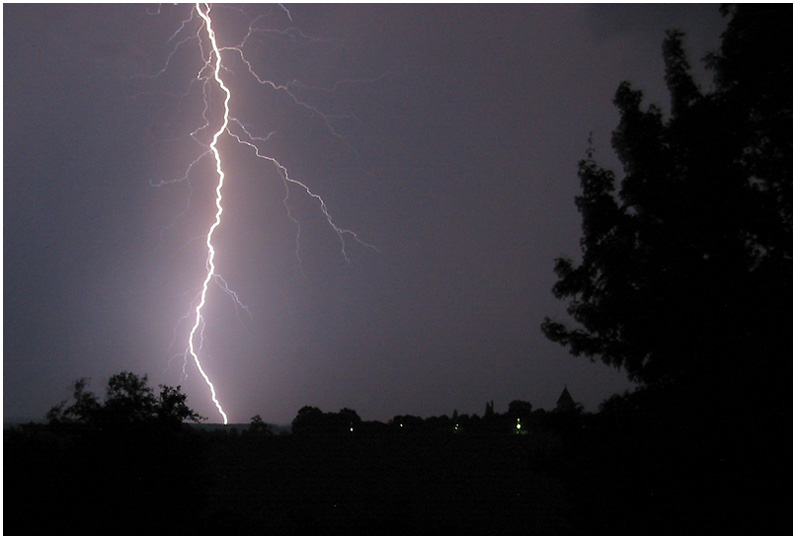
(489, 409)
(565, 402)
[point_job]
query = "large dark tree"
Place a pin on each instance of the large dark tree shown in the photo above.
(685, 278)
(685, 282)
(129, 402)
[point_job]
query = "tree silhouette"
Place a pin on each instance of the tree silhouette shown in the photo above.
(129, 402)
(312, 421)
(685, 276)
(171, 408)
(84, 409)
(685, 282)
(347, 420)
(258, 427)
(308, 420)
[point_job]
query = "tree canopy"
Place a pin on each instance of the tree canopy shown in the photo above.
(311, 420)
(685, 274)
(129, 402)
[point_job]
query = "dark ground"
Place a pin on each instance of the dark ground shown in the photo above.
(587, 475)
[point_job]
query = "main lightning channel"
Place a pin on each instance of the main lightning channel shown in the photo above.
(209, 73)
(211, 268)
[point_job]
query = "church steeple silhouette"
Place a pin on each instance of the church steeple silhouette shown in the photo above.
(565, 401)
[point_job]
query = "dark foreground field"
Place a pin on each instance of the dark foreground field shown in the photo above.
(584, 479)
(221, 484)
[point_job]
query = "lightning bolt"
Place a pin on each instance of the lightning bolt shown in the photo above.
(210, 76)
(211, 267)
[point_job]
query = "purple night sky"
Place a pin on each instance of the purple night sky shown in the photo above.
(447, 136)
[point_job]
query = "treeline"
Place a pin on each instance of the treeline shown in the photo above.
(519, 419)
(642, 464)
(131, 406)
